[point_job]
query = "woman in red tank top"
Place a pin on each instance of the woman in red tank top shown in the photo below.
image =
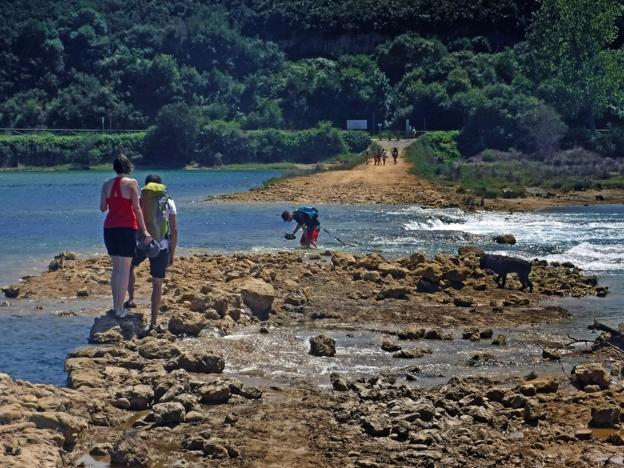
(120, 197)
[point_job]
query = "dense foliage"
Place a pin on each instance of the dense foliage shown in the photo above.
(201, 76)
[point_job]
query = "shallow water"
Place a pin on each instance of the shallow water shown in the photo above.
(45, 213)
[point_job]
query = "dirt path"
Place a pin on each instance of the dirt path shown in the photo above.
(395, 184)
(366, 183)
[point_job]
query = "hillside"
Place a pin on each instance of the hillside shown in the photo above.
(195, 71)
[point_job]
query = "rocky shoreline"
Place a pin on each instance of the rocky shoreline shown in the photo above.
(164, 399)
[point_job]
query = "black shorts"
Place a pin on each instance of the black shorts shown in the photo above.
(120, 242)
(158, 264)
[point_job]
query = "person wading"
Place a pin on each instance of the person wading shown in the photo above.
(120, 197)
(160, 215)
(308, 221)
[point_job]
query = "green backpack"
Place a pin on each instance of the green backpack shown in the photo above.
(154, 200)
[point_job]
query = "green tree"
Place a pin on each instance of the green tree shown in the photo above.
(172, 140)
(571, 61)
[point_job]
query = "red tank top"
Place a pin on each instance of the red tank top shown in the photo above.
(120, 210)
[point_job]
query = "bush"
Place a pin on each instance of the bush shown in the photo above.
(356, 141)
(45, 149)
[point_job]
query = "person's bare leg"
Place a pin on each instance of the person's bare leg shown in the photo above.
(119, 281)
(131, 283)
(156, 296)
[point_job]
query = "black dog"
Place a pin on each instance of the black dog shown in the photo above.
(503, 265)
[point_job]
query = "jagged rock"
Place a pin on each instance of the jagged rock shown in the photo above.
(186, 323)
(396, 272)
(430, 271)
(130, 326)
(82, 293)
(169, 413)
(606, 416)
(480, 359)
(532, 412)
(322, 346)
(500, 340)
(250, 392)
(469, 251)
(158, 349)
(470, 332)
(371, 275)
(427, 286)
(110, 336)
(201, 361)
(130, 450)
(411, 333)
(390, 346)
(71, 427)
(465, 301)
(486, 334)
(338, 383)
(551, 355)
(456, 275)
(343, 259)
(258, 295)
(434, 334)
(413, 353)
(590, 374)
(214, 393)
(394, 292)
(508, 239)
(377, 426)
(139, 396)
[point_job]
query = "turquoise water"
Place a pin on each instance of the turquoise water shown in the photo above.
(44, 213)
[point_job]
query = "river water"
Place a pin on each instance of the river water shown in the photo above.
(47, 212)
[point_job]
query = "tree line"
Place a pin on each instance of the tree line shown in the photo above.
(532, 75)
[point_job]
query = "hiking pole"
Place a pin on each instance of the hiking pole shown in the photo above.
(339, 239)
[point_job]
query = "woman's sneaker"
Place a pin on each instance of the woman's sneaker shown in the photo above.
(123, 313)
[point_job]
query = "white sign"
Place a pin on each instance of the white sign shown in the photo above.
(357, 124)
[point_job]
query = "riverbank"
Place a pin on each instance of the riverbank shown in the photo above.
(395, 184)
(195, 389)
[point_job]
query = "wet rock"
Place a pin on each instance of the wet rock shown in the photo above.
(158, 349)
(186, 323)
(550, 355)
(168, 413)
(470, 251)
(201, 361)
(214, 393)
(583, 434)
(434, 334)
(464, 301)
(500, 340)
(481, 359)
(486, 334)
(258, 295)
(377, 426)
(11, 292)
(456, 275)
(338, 383)
(139, 396)
(130, 326)
(322, 346)
(215, 449)
(590, 374)
(250, 392)
(101, 450)
(606, 416)
(390, 346)
(471, 333)
(82, 293)
(616, 439)
(130, 450)
(413, 353)
(394, 292)
(532, 412)
(411, 333)
(427, 286)
(507, 239)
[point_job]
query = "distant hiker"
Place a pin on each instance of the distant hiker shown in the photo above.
(160, 214)
(120, 196)
(307, 220)
(395, 154)
(384, 155)
(366, 156)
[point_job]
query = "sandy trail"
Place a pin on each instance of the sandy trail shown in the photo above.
(396, 185)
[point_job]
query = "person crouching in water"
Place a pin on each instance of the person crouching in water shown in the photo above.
(160, 214)
(307, 220)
